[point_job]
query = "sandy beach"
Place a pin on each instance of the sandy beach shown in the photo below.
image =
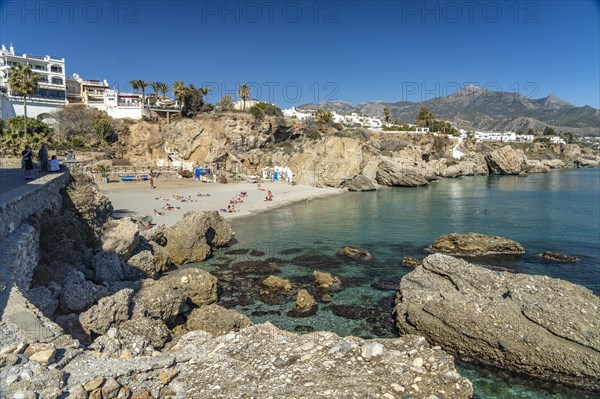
(138, 199)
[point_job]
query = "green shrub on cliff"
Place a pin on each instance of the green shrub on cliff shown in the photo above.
(261, 110)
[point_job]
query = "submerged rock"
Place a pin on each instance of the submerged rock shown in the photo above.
(327, 281)
(555, 256)
(474, 244)
(411, 262)
(536, 325)
(277, 283)
(355, 253)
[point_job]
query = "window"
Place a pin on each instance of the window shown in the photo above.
(39, 68)
(56, 69)
(57, 81)
(51, 94)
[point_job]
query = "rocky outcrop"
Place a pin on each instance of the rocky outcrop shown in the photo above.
(305, 303)
(193, 237)
(107, 267)
(216, 320)
(536, 325)
(121, 236)
(360, 183)
(506, 161)
(556, 257)
(411, 262)
(355, 253)
(473, 165)
(474, 244)
(331, 161)
(399, 172)
(108, 312)
(327, 281)
(536, 166)
(158, 301)
(259, 361)
(79, 293)
(277, 283)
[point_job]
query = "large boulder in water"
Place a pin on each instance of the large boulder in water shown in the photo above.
(475, 244)
(360, 183)
(506, 161)
(193, 237)
(400, 172)
(536, 325)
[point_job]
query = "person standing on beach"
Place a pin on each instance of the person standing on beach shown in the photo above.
(27, 162)
(43, 157)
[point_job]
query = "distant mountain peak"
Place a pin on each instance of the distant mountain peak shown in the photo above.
(473, 107)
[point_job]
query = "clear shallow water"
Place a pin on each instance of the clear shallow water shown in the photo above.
(557, 211)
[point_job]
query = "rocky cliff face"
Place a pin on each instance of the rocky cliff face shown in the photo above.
(539, 326)
(236, 142)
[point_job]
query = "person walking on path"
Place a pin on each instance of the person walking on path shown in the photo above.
(43, 157)
(27, 162)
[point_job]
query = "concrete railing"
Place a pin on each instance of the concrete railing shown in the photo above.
(18, 204)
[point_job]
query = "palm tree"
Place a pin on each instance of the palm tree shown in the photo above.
(23, 82)
(140, 85)
(164, 88)
(134, 85)
(244, 93)
(386, 115)
(156, 88)
(180, 92)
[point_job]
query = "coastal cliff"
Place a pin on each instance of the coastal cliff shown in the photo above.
(239, 144)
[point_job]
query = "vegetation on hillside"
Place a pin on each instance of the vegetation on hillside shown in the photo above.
(261, 110)
(13, 138)
(83, 126)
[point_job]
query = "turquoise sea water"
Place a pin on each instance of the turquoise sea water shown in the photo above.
(558, 211)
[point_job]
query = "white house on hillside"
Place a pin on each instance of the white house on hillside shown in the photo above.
(88, 92)
(52, 84)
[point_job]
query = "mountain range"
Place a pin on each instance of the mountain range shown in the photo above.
(474, 108)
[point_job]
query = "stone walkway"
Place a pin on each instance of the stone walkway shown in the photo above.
(11, 178)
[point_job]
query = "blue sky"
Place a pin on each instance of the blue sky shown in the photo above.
(293, 52)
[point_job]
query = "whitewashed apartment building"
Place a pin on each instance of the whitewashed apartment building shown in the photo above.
(52, 84)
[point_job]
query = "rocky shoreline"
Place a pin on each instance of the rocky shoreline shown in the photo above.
(114, 317)
(101, 319)
(511, 321)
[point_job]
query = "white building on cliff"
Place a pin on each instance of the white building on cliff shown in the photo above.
(52, 84)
